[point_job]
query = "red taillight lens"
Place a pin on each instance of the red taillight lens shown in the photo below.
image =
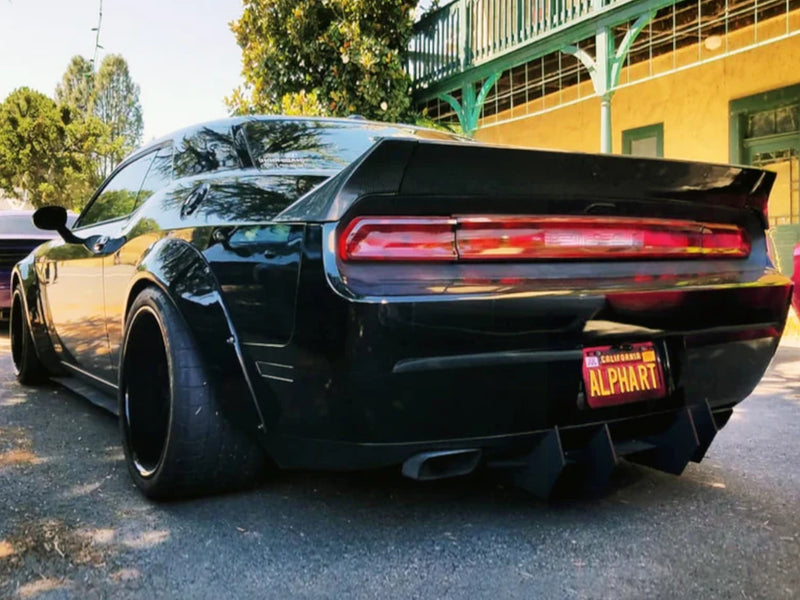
(399, 238)
(480, 238)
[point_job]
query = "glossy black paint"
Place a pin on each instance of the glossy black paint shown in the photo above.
(359, 365)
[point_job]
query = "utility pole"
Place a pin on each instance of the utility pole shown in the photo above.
(97, 45)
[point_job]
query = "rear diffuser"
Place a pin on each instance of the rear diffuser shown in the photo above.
(592, 454)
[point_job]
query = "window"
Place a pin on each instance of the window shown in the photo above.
(117, 197)
(253, 198)
(292, 144)
(765, 133)
(761, 119)
(158, 176)
(771, 122)
(644, 141)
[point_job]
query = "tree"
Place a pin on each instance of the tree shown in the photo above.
(77, 85)
(110, 95)
(325, 57)
(115, 101)
(47, 151)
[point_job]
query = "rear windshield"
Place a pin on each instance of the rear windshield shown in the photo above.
(320, 145)
(18, 224)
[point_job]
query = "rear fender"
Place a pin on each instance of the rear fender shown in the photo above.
(182, 273)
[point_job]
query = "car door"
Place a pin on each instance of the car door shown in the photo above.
(120, 265)
(74, 280)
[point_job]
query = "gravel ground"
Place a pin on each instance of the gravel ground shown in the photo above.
(72, 525)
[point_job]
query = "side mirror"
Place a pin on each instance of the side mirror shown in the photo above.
(54, 218)
(50, 218)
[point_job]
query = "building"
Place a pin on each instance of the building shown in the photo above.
(710, 80)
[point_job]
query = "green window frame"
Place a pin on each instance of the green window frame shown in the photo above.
(742, 107)
(655, 130)
(782, 237)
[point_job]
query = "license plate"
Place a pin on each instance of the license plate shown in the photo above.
(621, 374)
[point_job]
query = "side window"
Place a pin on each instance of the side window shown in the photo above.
(118, 197)
(253, 198)
(158, 176)
(644, 141)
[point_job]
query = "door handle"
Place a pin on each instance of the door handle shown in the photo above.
(100, 243)
(194, 199)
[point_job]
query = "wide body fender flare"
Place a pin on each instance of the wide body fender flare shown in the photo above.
(180, 270)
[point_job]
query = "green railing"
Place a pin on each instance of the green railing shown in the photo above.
(466, 33)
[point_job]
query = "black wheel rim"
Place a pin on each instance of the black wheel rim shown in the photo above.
(147, 394)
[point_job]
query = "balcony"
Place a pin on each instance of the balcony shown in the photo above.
(467, 40)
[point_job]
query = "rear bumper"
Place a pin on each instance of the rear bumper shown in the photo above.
(373, 383)
(667, 440)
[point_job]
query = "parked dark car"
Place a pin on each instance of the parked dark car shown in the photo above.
(342, 294)
(18, 236)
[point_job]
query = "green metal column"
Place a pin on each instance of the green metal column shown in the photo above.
(469, 109)
(606, 67)
(606, 140)
(604, 41)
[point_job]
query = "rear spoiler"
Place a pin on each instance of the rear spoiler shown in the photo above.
(410, 167)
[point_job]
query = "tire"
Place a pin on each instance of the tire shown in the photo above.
(27, 366)
(176, 442)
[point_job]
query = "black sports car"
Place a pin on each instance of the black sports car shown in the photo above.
(349, 295)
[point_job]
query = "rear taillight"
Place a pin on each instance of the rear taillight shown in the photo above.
(482, 238)
(594, 237)
(399, 238)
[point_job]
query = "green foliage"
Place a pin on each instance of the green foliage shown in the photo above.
(48, 151)
(77, 85)
(111, 96)
(325, 57)
(59, 152)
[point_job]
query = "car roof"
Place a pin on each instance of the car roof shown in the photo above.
(353, 120)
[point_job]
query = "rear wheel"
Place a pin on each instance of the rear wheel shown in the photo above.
(27, 366)
(176, 442)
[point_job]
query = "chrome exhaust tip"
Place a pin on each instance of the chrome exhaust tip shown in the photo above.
(440, 464)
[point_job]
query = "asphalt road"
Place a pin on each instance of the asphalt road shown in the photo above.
(72, 525)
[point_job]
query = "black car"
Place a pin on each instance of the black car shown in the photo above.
(342, 294)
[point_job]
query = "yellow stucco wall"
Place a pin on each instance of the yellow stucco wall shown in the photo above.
(693, 104)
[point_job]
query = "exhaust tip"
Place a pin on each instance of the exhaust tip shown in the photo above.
(440, 464)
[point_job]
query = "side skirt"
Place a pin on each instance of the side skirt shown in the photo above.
(95, 390)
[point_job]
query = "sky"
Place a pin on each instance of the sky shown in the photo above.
(180, 52)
